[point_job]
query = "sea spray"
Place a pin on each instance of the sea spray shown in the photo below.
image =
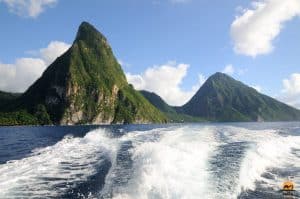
(173, 166)
(51, 171)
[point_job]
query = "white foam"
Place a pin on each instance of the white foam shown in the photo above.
(175, 162)
(167, 163)
(70, 160)
(238, 134)
(267, 150)
(174, 166)
(268, 153)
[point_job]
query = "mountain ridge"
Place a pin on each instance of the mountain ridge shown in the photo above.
(86, 85)
(168, 110)
(222, 98)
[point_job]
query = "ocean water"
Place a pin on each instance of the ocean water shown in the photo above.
(210, 161)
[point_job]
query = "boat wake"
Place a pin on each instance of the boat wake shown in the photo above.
(54, 170)
(190, 161)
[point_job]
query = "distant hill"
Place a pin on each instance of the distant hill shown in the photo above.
(222, 98)
(170, 111)
(6, 97)
(85, 85)
(158, 102)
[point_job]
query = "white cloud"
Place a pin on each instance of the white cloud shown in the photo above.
(17, 77)
(255, 29)
(201, 81)
(291, 90)
(292, 85)
(229, 70)
(165, 80)
(257, 87)
(28, 8)
(53, 50)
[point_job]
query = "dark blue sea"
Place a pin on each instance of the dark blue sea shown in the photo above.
(207, 160)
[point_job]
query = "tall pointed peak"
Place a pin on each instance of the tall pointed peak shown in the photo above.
(88, 33)
(87, 27)
(218, 75)
(86, 24)
(221, 78)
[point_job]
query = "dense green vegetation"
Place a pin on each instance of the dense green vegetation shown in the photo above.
(131, 101)
(87, 85)
(169, 111)
(222, 98)
(6, 98)
(12, 117)
(84, 85)
(20, 117)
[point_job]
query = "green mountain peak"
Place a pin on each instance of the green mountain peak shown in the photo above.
(90, 35)
(222, 98)
(220, 77)
(87, 85)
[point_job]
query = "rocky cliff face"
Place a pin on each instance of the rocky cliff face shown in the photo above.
(86, 85)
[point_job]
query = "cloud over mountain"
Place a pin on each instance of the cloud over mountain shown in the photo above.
(165, 80)
(291, 90)
(18, 76)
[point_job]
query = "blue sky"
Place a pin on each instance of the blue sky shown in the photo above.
(161, 43)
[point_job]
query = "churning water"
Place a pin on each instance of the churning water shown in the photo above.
(238, 160)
